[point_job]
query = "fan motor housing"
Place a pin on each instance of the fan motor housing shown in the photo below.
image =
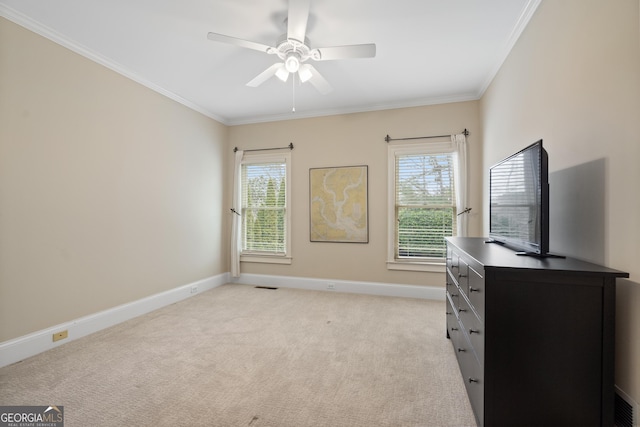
(287, 47)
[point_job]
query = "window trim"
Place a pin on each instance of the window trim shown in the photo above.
(422, 264)
(266, 257)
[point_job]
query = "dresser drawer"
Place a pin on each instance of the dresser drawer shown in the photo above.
(472, 375)
(452, 286)
(475, 291)
(452, 261)
(453, 292)
(462, 309)
(453, 326)
(472, 326)
(462, 276)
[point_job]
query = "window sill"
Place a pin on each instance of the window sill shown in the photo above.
(434, 267)
(266, 259)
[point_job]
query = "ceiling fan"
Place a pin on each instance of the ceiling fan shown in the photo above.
(294, 50)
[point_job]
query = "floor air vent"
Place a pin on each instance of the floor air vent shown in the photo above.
(626, 410)
(266, 287)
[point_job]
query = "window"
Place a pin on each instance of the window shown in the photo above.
(265, 208)
(422, 204)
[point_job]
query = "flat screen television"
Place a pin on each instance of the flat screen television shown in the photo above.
(519, 201)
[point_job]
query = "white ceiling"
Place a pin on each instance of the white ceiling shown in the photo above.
(428, 51)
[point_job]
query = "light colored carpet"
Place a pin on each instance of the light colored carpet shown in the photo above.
(241, 356)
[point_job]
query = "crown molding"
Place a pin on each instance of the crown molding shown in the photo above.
(354, 110)
(525, 16)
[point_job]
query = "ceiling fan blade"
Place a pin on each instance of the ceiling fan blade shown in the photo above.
(297, 19)
(317, 80)
(266, 75)
(346, 52)
(240, 42)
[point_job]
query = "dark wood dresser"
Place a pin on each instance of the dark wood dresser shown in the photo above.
(534, 337)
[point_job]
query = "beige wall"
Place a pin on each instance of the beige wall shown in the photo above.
(109, 192)
(347, 140)
(573, 79)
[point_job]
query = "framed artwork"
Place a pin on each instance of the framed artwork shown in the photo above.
(338, 208)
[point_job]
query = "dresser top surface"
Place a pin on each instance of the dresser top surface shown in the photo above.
(492, 255)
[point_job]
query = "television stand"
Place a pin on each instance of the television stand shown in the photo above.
(534, 338)
(525, 253)
(494, 241)
(535, 255)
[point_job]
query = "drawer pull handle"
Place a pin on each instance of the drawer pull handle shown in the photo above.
(460, 350)
(462, 309)
(474, 331)
(473, 289)
(454, 295)
(473, 380)
(454, 329)
(462, 275)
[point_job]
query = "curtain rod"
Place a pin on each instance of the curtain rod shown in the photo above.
(290, 147)
(389, 139)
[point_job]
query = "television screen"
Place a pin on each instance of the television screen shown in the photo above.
(519, 201)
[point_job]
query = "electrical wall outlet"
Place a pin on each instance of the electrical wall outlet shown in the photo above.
(194, 289)
(60, 335)
(331, 286)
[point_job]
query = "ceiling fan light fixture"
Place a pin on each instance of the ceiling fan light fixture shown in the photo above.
(292, 63)
(282, 74)
(305, 73)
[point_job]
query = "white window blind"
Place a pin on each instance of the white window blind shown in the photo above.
(425, 204)
(264, 207)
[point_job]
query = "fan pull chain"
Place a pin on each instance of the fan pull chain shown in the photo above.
(293, 96)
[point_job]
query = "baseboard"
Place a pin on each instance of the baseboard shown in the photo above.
(29, 345)
(369, 288)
